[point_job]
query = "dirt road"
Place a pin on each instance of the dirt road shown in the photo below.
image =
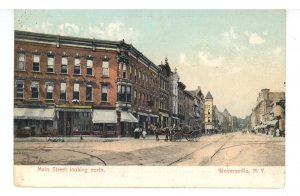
(234, 149)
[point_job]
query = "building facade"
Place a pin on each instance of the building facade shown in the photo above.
(73, 86)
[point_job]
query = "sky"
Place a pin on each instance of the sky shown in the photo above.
(231, 53)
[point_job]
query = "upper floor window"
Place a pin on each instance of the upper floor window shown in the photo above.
(49, 90)
(135, 74)
(130, 72)
(76, 91)
(104, 92)
(124, 93)
(105, 68)
(134, 96)
(35, 90)
(50, 65)
(64, 65)
(36, 62)
(20, 89)
(63, 92)
(124, 73)
(89, 67)
(77, 66)
(21, 62)
(89, 92)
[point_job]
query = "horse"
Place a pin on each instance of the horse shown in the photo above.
(160, 131)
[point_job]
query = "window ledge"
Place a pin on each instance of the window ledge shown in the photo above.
(50, 72)
(34, 99)
(49, 99)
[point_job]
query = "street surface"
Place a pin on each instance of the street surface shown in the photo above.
(233, 149)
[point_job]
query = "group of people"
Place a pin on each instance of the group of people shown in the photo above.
(138, 131)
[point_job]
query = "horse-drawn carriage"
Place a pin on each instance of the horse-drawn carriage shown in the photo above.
(187, 132)
(177, 133)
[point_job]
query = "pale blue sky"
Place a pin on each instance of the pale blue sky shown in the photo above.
(232, 53)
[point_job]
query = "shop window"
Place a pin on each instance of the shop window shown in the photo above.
(49, 90)
(105, 68)
(21, 62)
(35, 90)
(104, 93)
(20, 89)
(50, 65)
(36, 63)
(89, 67)
(76, 91)
(64, 65)
(89, 92)
(63, 92)
(77, 66)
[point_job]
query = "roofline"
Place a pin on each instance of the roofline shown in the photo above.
(84, 42)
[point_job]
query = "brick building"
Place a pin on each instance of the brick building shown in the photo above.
(67, 86)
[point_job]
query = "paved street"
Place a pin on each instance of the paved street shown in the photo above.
(234, 149)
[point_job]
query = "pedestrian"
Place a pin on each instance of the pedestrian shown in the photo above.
(144, 133)
(136, 132)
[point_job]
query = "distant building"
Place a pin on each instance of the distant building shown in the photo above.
(209, 126)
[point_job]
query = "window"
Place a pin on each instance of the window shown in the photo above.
(124, 71)
(36, 63)
(49, 90)
(104, 93)
(105, 68)
(20, 89)
(76, 91)
(130, 72)
(135, 75)
(63, 91)
(89, 92)
(64, 65)
(21, 62)
(50, 66)
(134, 96)
(119, 70)
(89, 67)
(77, 66)
(35, 90)
(128, 93)
(121, 93)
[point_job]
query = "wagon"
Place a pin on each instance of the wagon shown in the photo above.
(187, 133)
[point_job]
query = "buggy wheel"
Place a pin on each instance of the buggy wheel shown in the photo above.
(177, 137)
(189, 137)
(196, 136)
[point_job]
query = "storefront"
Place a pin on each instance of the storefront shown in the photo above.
(163, 119)
(74, 120)
(128, 122)
(40, 121)
(105, 122)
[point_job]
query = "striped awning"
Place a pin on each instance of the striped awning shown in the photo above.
(34, 113)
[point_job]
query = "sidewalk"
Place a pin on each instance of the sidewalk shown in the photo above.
(85, 138)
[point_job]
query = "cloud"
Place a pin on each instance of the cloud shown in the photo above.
(112, 31)
(182, 58)
(255, 39)
(265, 33)
(68, 29)
(229, 35)
(277, 51)
(209, 60)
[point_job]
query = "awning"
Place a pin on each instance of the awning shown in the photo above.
(34, 113)
(272, 122)
(175, 117)
(164, 114)
(142, 114)
(153, 115)
(104, 116)
(128, 117)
